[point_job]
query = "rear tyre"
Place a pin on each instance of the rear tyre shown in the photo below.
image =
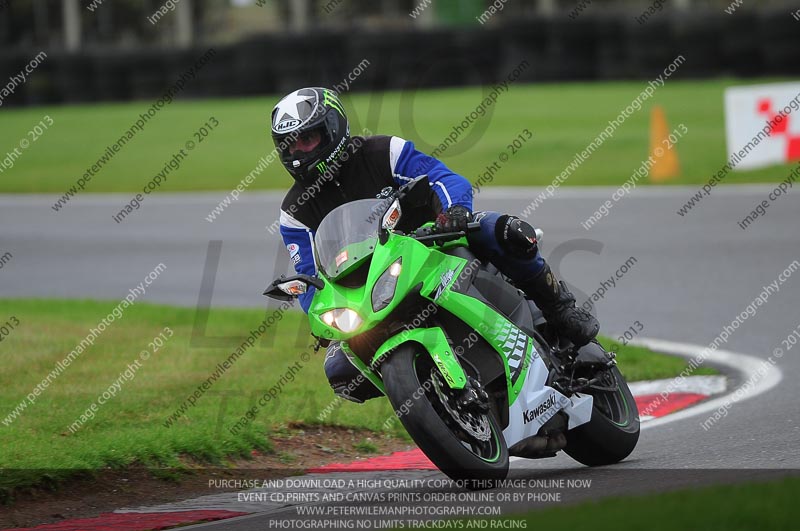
(613, 432)
(465, 445)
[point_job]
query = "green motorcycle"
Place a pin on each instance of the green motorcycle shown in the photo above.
(466, 360)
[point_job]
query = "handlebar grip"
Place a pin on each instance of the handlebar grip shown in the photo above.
(424, 234)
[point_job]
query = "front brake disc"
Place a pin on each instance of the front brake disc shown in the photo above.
(476, 426)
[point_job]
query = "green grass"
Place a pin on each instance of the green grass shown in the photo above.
(366, 446)
(639, 363)
(745, 507)
(130, 427)
(563, 118)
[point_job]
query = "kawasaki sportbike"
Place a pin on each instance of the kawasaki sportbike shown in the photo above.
(466, 360)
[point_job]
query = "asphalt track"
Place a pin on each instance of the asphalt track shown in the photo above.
(692, 276)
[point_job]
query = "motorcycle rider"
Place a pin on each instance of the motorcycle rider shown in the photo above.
(312, 136)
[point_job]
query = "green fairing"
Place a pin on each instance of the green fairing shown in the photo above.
(494, 328)
(421, 265)
(435, 342)
(425, 268)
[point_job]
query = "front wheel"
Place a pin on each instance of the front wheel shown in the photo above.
(465, 445)
(613, 432)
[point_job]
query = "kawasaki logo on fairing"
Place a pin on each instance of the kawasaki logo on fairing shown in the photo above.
(530, 414)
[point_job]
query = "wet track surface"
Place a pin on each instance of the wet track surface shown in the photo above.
(692, 276)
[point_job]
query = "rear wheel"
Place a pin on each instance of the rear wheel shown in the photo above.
(463, 444)
(613, 432)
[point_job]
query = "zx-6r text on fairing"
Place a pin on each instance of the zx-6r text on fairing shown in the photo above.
(465, 359)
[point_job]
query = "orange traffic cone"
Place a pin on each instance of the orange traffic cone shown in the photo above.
(666, 164)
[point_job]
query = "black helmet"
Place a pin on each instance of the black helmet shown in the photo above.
(304, 111)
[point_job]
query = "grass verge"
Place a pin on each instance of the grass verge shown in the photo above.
(639, 363)
(140, 420)
(744, 507)
(562, 117)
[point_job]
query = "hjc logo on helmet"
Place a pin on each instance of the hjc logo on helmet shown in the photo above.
(287, 125)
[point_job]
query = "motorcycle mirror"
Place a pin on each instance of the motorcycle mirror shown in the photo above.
(287, 288)
(392, 216)
(274, 292)
(389, 221)
(294, 288)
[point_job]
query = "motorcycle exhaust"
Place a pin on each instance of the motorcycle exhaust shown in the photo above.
(539, 446)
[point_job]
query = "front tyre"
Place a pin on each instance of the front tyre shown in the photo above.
(465, 445)
(613, 432)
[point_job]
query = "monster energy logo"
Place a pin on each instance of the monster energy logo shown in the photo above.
(321, 167)
(329, 98)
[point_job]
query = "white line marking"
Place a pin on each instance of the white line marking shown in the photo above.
(743, 364)
(703, 385)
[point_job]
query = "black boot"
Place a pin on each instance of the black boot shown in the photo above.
(558, 306)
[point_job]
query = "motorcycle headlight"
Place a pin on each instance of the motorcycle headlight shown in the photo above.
(344, 319)
(383, 291)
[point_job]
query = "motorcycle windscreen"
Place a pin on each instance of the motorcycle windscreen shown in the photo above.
(348, 235)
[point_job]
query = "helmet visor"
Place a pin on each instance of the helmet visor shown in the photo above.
(306, 142)
(303, 146)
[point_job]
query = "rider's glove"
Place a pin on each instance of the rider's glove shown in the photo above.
(453, 219)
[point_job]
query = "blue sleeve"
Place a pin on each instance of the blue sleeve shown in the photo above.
(450, 187)
(299, 243)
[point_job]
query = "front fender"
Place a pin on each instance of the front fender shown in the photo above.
(435, 343)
